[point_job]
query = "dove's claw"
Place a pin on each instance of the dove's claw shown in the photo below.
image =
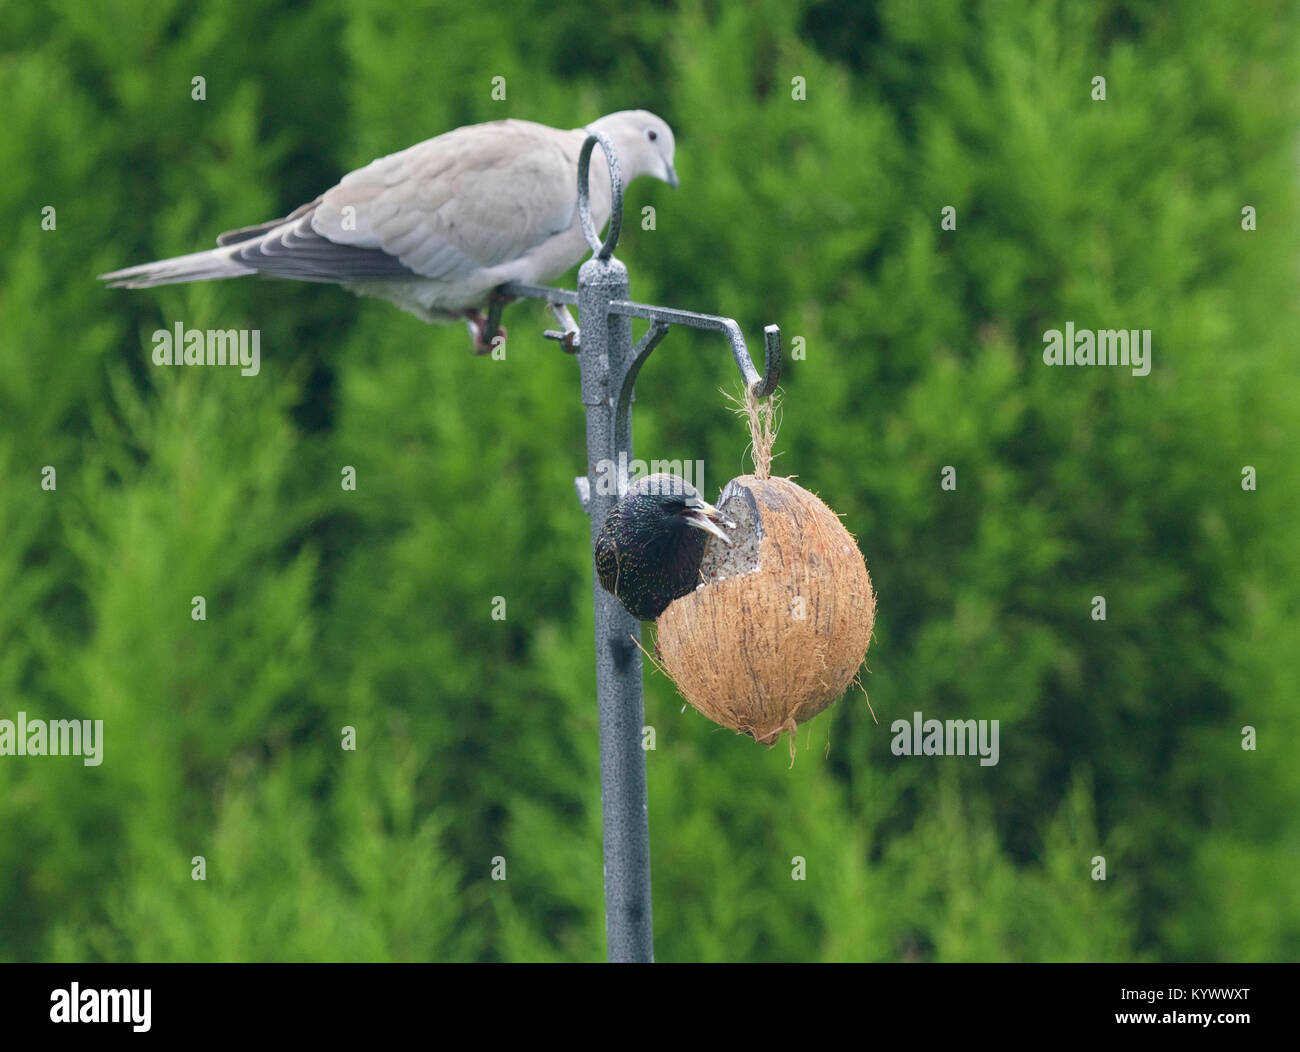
(478, 323)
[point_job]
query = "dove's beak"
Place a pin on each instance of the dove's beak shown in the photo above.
(670, 176)
(706, 517)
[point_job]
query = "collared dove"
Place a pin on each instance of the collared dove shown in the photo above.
(436, 227)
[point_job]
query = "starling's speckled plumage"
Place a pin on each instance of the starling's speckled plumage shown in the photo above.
(649, 551)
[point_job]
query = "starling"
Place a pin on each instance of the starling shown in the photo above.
(649, 551)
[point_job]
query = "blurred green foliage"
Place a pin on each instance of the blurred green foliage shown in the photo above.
(477, 738)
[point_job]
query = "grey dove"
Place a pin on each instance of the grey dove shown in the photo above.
(436, 227)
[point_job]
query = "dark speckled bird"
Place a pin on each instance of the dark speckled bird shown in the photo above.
(649, 551)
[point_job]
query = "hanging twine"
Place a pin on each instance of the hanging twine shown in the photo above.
(763, 425)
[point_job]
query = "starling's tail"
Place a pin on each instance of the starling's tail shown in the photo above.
(197, 266)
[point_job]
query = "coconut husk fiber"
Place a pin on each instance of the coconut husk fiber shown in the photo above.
(782, 619)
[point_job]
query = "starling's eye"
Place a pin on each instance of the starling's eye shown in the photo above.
(651, 134)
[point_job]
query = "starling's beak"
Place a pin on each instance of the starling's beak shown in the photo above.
(704, 516)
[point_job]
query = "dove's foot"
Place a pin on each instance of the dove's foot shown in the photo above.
(478, 323)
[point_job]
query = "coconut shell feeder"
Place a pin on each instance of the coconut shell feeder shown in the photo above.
(795, 557)
(781, 621)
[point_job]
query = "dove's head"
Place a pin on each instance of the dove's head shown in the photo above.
(644, 143)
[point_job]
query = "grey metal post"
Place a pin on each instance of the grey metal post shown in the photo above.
(605, 350)
(604, 355)
(609, 364)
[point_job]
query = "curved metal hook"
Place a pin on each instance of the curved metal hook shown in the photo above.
(771, 361)
(603, 249)
(657, 331)
(764, 385)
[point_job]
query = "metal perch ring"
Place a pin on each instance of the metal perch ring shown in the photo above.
(603, 249)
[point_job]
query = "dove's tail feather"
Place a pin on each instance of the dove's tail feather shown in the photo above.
(197, 266)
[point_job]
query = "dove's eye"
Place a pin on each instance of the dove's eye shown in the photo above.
(651, 134)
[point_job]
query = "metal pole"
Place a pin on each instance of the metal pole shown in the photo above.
(604, 356)
(606, 349)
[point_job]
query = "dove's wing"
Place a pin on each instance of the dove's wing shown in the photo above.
(291, 248)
